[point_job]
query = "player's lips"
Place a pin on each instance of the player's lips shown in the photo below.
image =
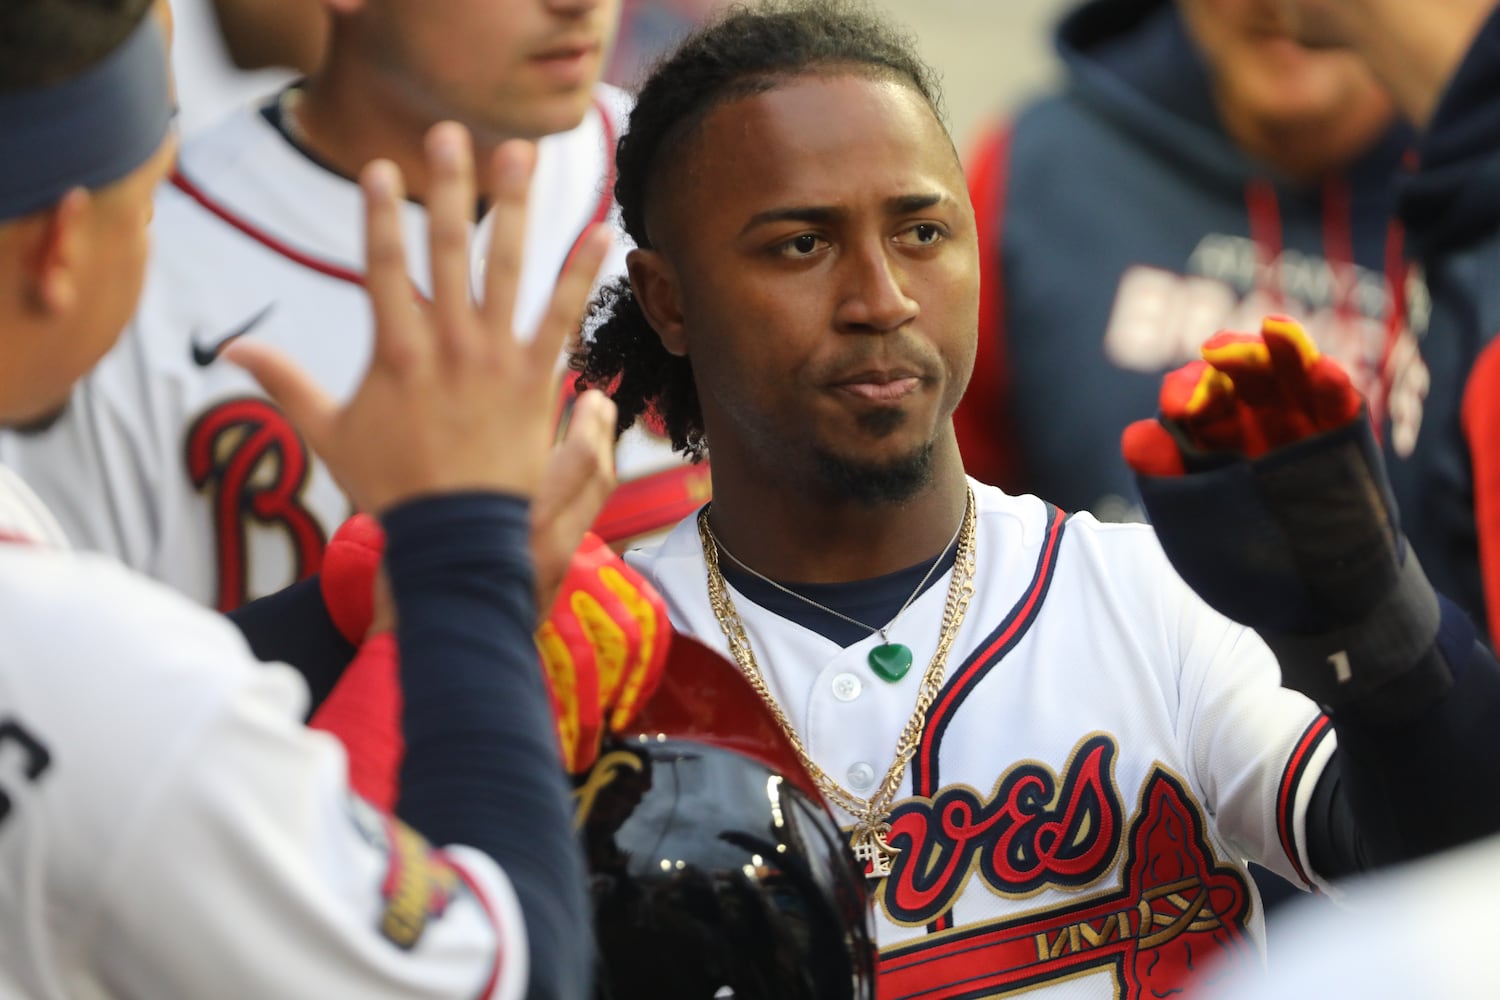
(880, 385)
(569, 61)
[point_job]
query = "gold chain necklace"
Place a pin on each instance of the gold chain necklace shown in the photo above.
(289, 104)
(869, 840)
(890, 660)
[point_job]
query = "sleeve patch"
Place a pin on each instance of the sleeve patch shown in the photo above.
(419, 883)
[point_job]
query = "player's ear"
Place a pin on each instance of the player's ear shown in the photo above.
(339, 7)
(653, 282)
(52, 252)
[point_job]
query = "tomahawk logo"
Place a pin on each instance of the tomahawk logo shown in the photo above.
(1176, 910)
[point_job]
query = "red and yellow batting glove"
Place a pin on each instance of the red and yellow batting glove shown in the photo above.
(1250, 395)
(1267, 490)
(603, 649)
(364, 708)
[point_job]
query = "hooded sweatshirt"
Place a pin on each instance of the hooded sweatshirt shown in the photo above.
(1120, 226)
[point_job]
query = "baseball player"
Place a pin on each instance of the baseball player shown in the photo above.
(175, 461)
(167, 827)
(1053, 757)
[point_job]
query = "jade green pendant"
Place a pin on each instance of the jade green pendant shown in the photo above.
(890, 661)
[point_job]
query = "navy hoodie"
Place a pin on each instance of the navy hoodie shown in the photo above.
(1120, 226)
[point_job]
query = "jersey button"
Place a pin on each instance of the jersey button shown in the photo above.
(846, 687)
(861, 776)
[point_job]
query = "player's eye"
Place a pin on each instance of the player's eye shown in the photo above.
(801, 245)
(923, 234)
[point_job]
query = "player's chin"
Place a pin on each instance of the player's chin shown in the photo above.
(34, 424)
(889, 475)
(549, 112)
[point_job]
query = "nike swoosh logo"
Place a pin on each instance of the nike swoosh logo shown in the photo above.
(206, 354)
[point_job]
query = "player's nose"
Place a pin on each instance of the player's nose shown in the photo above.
(873, 291)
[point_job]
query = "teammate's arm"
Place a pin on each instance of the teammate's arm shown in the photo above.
(455, 404)
(1269, 496)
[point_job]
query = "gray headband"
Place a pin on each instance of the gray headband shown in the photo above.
(87, 131)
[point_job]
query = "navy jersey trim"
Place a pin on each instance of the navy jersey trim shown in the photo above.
(924, 775)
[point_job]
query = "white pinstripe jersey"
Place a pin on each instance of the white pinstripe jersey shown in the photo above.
(1104, 755)
(169, 829)
(178, 465)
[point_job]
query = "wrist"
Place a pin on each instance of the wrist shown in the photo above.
(1380, 665)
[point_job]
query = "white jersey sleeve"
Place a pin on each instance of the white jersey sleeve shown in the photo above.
(1253, 748)
(168, 828)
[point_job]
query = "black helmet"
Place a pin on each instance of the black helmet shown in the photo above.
(716, 870)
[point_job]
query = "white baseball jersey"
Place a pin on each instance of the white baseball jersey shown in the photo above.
(176, 462)
(169, 829)
(1105, 754)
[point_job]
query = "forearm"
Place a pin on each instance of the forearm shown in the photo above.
(1403, 787)
(482, 765)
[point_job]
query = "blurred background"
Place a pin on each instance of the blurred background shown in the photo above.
(990, 53)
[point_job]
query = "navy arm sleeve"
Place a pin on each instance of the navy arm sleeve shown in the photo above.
(1399, 789)
(482, 764)
(292, 626)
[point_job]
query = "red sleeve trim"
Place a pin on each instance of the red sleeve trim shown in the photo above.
(1291, 780)
(1481, 423)
(606, 199)
(489, 911)
(982, 421)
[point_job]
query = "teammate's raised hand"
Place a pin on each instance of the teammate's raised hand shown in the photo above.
(580, 476)
(452, 400)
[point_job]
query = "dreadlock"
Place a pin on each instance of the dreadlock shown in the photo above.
(746, 50)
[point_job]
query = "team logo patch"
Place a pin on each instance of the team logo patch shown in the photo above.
(1176, 911)
(419, 880)
(419, 883)
(246, 456)
(1035, 831)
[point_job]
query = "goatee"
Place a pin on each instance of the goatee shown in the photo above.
(877, 484)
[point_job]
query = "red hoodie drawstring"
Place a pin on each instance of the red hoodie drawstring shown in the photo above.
(1265, 233)
(1264, 212)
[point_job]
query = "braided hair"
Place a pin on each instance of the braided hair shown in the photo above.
(746, 50)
